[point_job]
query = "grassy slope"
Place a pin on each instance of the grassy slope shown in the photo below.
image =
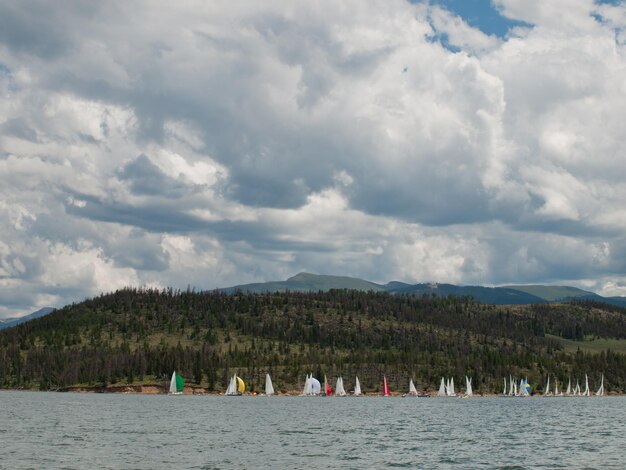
(552, 293)
(592, 345)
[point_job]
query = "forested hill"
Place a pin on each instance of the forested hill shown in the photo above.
(141, 336)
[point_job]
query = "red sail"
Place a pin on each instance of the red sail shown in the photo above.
(385, 388)
(329, 390)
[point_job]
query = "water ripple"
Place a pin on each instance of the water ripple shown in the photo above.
(138, 431)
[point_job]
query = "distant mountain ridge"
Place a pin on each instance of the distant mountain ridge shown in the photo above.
(308, 282)
(503, 295)
(9, 322)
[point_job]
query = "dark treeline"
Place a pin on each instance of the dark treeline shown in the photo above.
(142, 335)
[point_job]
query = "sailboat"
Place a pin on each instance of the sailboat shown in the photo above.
(385, 387)
(468, 387)
(586, 393)
(515, 389)
(312, 386)
(339, 390)
(177, 383)
(451, 392)
(504, 389)
(577, 389)
(236, 386)
(357, 388)
(524, 388)
(511, 382)
(442, 389)
(568, 392)
(600, 391)
(547, 392)
(412, 389)
(269, 388)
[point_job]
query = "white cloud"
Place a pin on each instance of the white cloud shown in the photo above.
(218, 143)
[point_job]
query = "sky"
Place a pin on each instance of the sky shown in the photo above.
(209, 144)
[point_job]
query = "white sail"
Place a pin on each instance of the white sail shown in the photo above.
(232, 386)
(442, 389)
(269, 388)
(524, 388)
(569, 387)
(556, 387)
(229, 387)
(357, 388)
(307, 386)
(600, 391)
(412, 389)
(504, 389)
(315, 386)
(586, 392)
(511, 382)
(468, 387)
(515, 389)
(452, 392)
(339, 390)
(577, 389)
(547, 392)
(173, 383)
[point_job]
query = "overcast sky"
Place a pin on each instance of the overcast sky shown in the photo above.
(213, 143)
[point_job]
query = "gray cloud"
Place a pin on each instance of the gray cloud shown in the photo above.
(219, 143)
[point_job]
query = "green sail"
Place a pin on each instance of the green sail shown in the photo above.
(180, 383)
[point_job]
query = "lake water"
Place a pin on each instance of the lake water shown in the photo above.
(64, 430)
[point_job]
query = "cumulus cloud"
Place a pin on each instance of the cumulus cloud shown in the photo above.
(218, 143)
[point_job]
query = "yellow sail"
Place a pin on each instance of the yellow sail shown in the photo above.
(241, 386)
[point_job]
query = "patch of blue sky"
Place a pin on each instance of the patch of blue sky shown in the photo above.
(619, 32)
(442, 38)
(611, 2)
(480, 14)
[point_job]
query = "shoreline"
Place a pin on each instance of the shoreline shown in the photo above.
(155, 389)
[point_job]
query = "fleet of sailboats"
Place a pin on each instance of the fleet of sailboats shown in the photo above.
(312, 387)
